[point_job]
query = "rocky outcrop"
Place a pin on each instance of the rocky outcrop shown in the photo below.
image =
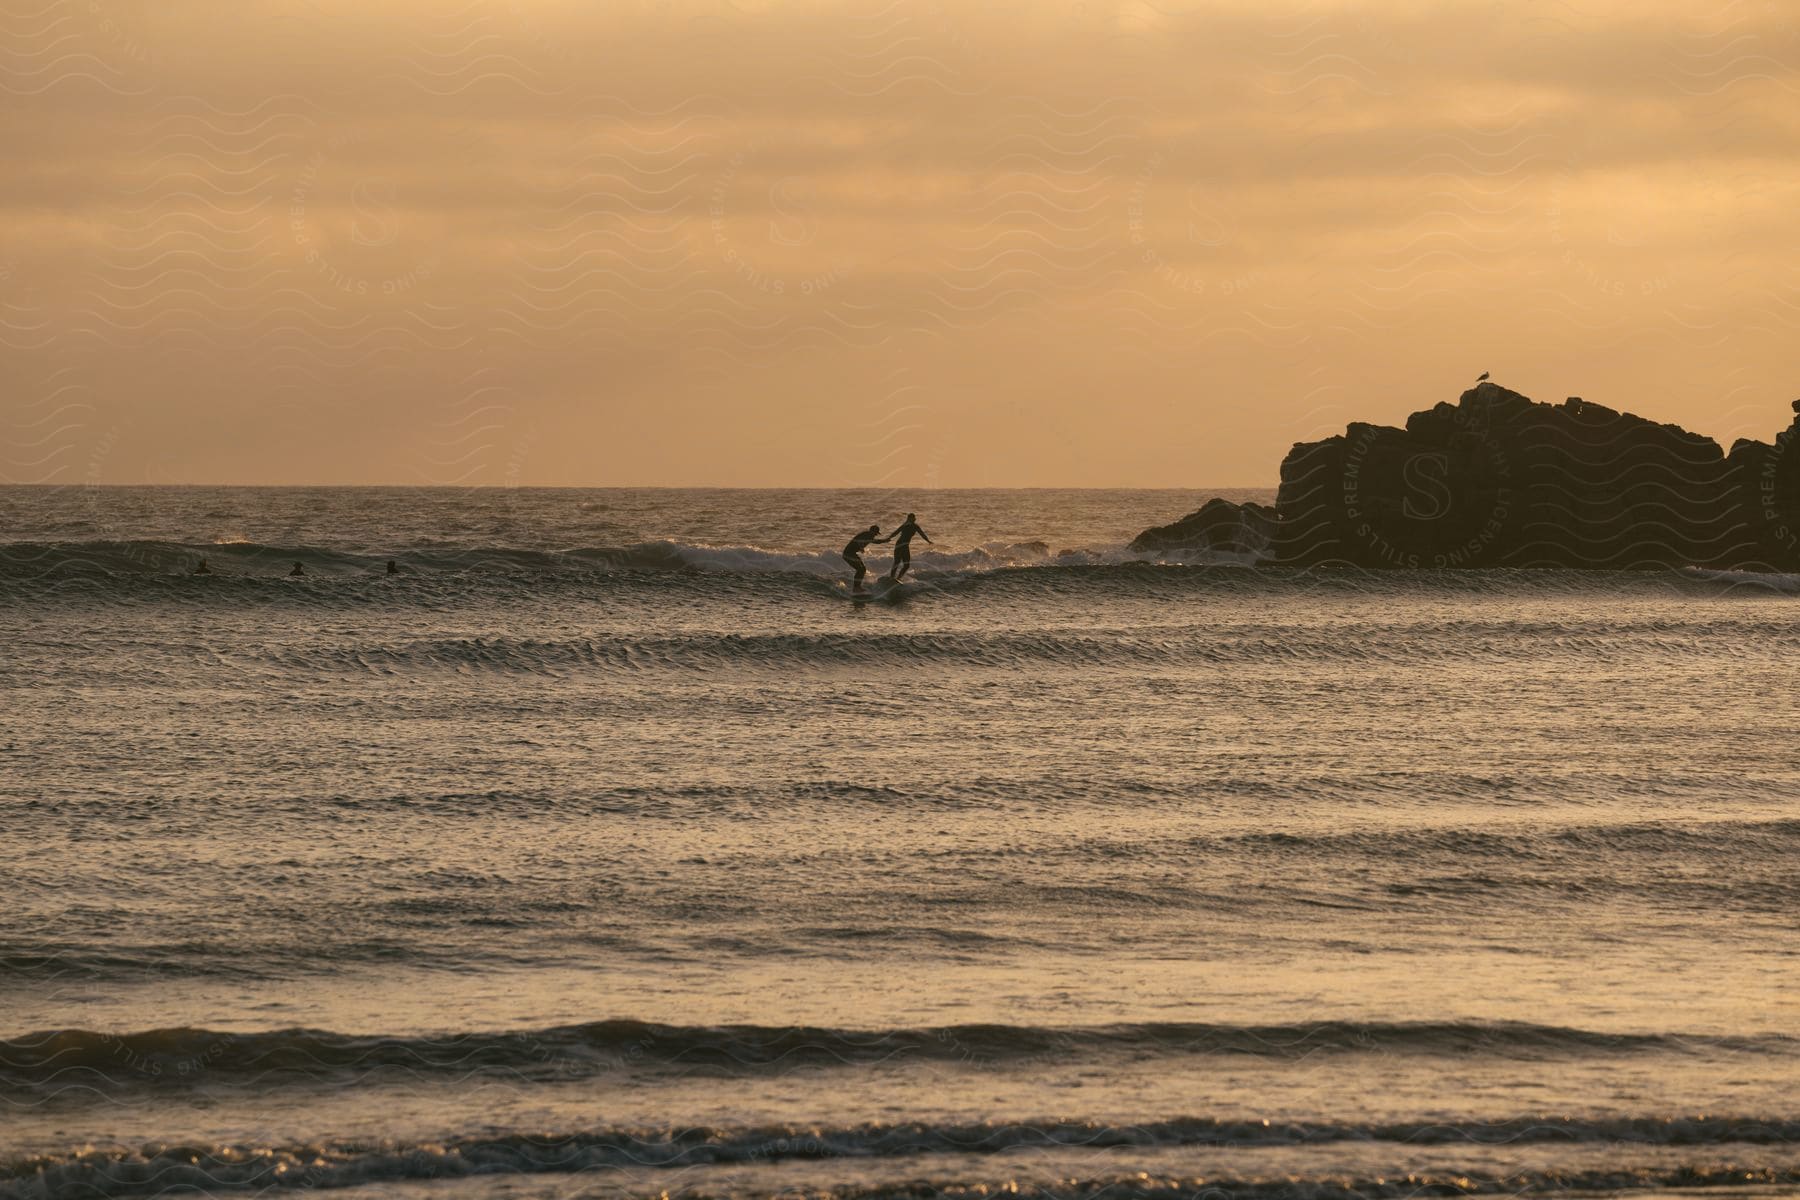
(1766, 481)
(1500, 480)
(1219, 526)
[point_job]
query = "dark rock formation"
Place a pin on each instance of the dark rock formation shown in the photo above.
(1766, 481)
(1218, 526)
(1499, 480)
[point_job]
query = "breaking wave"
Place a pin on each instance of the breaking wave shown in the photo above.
(251, 574)
(58, 560)
(38, 559)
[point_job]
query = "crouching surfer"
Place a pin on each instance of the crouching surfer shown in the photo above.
(853, 553)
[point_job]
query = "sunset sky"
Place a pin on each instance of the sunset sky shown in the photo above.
(1063, 243)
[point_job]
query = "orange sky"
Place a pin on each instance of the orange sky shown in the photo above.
(898, 243)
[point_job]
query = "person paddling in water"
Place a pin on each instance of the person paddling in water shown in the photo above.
(853, 553)
(903, 537)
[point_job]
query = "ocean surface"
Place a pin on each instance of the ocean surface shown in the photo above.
(608, 849)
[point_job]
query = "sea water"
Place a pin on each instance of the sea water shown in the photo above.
(606, 850)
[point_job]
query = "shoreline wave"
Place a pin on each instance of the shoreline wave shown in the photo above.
(157, 1168)
(63, 1058)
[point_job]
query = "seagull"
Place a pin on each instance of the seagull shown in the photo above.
(1481, 378)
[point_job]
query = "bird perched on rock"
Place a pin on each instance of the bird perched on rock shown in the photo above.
(1481, 378)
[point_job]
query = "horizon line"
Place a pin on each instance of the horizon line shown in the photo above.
(675, 487)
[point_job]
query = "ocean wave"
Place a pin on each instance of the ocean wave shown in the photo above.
(238, 561)
(1464, 641)
(1401, 1185)
(1777, 582)
(157, 1168)
(40, 559)
(175, 1057)
(1666, 840)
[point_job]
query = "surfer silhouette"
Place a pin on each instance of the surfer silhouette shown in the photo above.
(299, 569)
(903, 537)
(203, 569)
(853, 553)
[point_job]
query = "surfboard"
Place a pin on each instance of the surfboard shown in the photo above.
(882, 589)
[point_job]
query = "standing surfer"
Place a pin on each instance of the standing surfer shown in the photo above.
(903, 537)
(853, 553)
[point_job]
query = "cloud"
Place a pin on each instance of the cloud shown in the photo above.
(329, 226)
